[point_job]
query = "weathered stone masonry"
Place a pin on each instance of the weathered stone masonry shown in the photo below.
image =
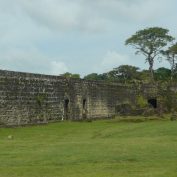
(33, 98)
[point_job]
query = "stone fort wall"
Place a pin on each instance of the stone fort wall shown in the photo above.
(34, 98)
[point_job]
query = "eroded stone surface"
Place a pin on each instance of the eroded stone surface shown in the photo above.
(33, 98)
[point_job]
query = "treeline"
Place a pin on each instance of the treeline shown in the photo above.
(153, 43)
(128, 73)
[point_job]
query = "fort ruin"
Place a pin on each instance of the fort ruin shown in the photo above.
(27, 98)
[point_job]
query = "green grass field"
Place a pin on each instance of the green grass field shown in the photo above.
(106, 148)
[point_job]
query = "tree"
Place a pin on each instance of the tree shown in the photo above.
(124, 73)
(92, 76)
(67, 75)
(70, 75)
(171, 55)
(95, 76)
(75, 76)
(150, 42)
(162, 74)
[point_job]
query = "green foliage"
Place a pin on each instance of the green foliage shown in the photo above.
(40, 98)
(150, 39)
(171, 56)
(131, 74)
(168, 97)
(150, 43)
(98, 149)
(67, 75)
(141, 102)
(92, 76)
(70, 75)
(144, 76)
(124, 73)
(163, 74)
(95, 76)
(76, 76)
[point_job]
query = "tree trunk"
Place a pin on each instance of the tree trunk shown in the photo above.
(151, 62)
(172, 66)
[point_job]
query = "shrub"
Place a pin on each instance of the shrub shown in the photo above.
(141, 102)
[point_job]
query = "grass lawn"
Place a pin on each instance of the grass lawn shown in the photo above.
(106, 148)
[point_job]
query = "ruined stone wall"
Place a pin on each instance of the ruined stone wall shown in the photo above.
(33, 98)
(30, 98)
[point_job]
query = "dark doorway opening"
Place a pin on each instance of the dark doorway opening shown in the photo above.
(84, 103)
(66, 108)
(153, 102)
(84, 106)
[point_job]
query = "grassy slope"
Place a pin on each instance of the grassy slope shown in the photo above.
(97, 149)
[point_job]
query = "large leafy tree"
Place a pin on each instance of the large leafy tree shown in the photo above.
(150, 42)
(171, 55)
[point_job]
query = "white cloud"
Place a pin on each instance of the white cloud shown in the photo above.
(58, 68)
(31, 60)
(133, 10)
(92, 15)
(42, 35)
(114, 59)
(111, 60)
(52, 13)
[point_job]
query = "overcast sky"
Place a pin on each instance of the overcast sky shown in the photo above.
(78, 36)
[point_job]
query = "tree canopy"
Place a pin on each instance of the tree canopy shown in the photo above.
(150, 43)
(171, 56)
(70, 75)
(95, 76)
(124, 73)
(162, 74)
